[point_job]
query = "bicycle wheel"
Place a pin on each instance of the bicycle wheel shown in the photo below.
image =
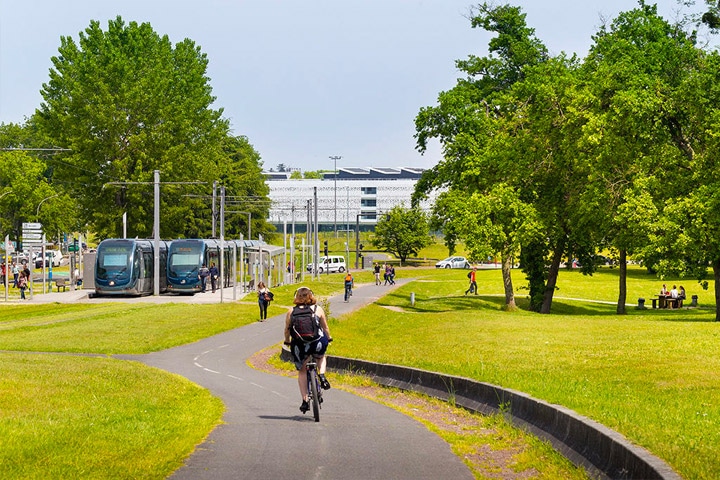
(313, 381)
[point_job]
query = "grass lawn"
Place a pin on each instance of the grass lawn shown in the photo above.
(67, 416)
(653, 375)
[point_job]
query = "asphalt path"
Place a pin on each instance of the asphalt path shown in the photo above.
(264, 434)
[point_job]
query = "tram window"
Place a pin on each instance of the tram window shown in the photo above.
(114, 260)
(148, 264)
(185, 259)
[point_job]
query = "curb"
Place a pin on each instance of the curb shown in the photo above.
(603, 452)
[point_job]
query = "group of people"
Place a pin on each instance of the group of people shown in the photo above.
(21, 277)
(212, 273)
(388, 273)
(676, 295)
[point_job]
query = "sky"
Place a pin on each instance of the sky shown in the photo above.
(303, 81)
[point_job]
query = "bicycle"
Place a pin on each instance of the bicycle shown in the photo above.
(314, 389)
(348, 291)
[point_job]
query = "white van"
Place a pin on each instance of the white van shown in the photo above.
(52, 257)
(331, 263)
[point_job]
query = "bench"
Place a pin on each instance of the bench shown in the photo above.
(61, 283)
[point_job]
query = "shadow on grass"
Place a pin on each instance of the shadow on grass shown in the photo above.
(475, 303)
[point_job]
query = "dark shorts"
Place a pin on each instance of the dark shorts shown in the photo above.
(300, 350)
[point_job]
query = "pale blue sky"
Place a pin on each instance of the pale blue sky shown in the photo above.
(302, 80)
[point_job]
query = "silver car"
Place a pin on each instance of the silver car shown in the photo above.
(453, 262)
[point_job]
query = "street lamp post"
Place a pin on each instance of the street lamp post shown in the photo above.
(335, 158)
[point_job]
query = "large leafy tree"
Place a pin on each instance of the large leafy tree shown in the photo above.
(126, 102)
(511, 122)
(631, 75)
(402, 231)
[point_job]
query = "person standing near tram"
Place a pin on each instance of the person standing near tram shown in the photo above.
(214, 275)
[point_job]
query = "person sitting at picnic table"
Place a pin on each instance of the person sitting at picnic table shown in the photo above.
(673, 296)
(664, 290)
(681, 296)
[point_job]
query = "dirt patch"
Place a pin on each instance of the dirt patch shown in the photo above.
(489, 451)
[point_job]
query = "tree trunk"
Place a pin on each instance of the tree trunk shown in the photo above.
(507, 261)
(716, 274)
(622, 290)
(552, 277)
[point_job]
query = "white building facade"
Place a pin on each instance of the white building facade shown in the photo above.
(353, 197)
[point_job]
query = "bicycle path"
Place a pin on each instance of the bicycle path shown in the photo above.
(264, 435)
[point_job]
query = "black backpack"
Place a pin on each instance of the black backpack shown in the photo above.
(304, 324)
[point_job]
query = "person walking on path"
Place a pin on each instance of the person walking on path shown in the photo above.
(264, 299)
(391, 277)
(22, 285)
(203, 275)
(376, 269)
(473, 284)
(16, 273)
(214, 275)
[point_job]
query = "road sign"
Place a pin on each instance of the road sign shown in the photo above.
(31, 236)
(31, 226)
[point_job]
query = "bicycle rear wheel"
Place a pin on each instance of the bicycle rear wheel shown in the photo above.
(313, 381)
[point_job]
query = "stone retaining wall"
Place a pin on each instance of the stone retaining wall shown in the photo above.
(602, 451)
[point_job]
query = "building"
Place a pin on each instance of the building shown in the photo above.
(353, 196)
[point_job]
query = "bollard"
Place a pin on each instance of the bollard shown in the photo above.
(412, 299)
(641, 304)
(694, 301)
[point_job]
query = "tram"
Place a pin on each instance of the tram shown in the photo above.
(186, 256)
(126, 267)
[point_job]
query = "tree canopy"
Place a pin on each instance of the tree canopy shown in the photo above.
(402, 231)
(616, 151)
(127, 102)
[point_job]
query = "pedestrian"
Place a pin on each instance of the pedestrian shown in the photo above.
(391, 277)
(386, 276)
(3, 273)
(473, 283)
(203, 275)
(376, 268)
(15, 272)
(214, 275)
(22, 285)
(265, 296)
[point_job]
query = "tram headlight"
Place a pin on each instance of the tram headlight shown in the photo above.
(112, 283)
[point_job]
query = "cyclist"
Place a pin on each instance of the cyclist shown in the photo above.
(302, 348)
(349, 283)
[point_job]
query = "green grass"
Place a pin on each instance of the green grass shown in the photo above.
(652, 375)
(110, 328)
(79, 417)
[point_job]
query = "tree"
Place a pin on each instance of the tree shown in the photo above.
(496, 223)
(511, 122)
(127, 102)
(402, 232)
(27, 196)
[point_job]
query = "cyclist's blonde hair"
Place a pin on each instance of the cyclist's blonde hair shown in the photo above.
(304, 296)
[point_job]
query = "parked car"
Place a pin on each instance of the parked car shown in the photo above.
(331, 263)
(453, 262)
(52, 257)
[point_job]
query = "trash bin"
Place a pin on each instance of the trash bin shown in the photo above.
(641, 304)
(694, 301)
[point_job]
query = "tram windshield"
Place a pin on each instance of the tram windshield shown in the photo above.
(113, 261)
(184, 260)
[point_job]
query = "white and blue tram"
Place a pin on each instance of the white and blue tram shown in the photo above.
(186, 256)
(126, 267)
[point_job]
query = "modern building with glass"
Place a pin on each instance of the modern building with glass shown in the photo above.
(349, 197)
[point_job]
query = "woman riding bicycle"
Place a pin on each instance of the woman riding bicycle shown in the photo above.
(304, 344)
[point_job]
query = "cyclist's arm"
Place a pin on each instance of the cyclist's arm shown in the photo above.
(288, 317)
(323, 321)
